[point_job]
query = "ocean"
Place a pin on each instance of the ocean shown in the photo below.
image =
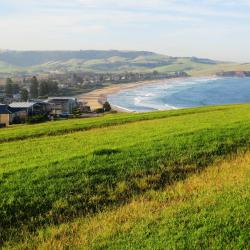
(183, 93)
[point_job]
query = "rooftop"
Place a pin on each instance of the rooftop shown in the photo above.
(22, 104)
(4, 109)
(62, 98)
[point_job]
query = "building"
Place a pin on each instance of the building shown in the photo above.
(10, 115)
(62, 105)
(83, 107)
(32, 108)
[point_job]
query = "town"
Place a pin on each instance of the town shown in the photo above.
(31, 99)
(31, 103)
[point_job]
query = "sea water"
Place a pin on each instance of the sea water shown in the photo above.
(183, 93)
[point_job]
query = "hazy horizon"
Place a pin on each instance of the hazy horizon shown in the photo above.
(214, 29)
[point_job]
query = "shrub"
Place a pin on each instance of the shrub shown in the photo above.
(99, 110)
(37, 119)
(106, 107)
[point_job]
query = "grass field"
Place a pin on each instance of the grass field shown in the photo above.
(55, 177)
(208, 210)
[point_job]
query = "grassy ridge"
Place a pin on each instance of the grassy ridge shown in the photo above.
(21, 132)
(53, 179)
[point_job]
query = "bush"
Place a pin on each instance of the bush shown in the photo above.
(76, 112)
(37, 119)
(18, 120)
(106, 107)
(99, 110)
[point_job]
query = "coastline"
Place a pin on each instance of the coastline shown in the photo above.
(96, 98)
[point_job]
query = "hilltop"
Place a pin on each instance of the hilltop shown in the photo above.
(108, 61)
(173, 178)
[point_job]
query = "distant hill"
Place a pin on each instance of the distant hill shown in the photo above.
(108, 61)
(33, 58)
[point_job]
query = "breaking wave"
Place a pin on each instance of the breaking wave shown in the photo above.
(183, 93)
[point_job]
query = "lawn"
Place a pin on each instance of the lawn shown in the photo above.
(20, 132)
(208, 210)
(54, 173)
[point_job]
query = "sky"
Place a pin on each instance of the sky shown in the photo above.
(216, 29)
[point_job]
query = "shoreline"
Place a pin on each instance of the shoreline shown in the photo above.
(96, 98)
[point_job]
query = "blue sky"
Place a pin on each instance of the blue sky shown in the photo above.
(216, 29)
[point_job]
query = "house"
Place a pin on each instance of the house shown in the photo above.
(10, 115)
(83, 107)
(62, 105)
(32, 108)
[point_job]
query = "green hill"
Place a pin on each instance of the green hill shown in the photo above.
(108, 61)
(128, 181)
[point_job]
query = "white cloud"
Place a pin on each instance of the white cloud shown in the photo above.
(162, 25)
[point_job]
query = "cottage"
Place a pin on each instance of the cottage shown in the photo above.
(83, 107)
(62, 105)
(32, 108)
(10, 115)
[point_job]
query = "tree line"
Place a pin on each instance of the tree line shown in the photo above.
(42, 88)
(37, 89)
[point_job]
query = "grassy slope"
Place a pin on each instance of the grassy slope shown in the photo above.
(207, 210)
(192, 68)
(145, 64)
(54, 179)
(201, 69)
(8, 68)
(56, 128)
(117, 62)
(219, 68)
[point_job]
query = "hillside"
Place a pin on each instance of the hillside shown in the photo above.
(189, 214)
(139, 179)
(108, 61)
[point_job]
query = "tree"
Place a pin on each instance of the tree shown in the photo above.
(43, 88)
(106, 107)
(77, 112)
(48, 87)
(52, 87)
(9, 87)
(24, 95)
(15, 88)
(34, 87)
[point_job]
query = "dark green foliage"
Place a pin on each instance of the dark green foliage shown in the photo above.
(24, 95)
(37, 119)
(106, 152)
(15, 88)
(47, 88)
(77, 112)
(11, 88)
(99, 110)
(8, 87)
(34, 87)
(106, 107)
(43, 88)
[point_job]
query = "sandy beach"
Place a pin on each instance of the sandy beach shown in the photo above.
(96, 98)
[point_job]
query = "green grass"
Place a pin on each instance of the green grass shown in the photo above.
(208, 210)
(20, 132)
(64, 174)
